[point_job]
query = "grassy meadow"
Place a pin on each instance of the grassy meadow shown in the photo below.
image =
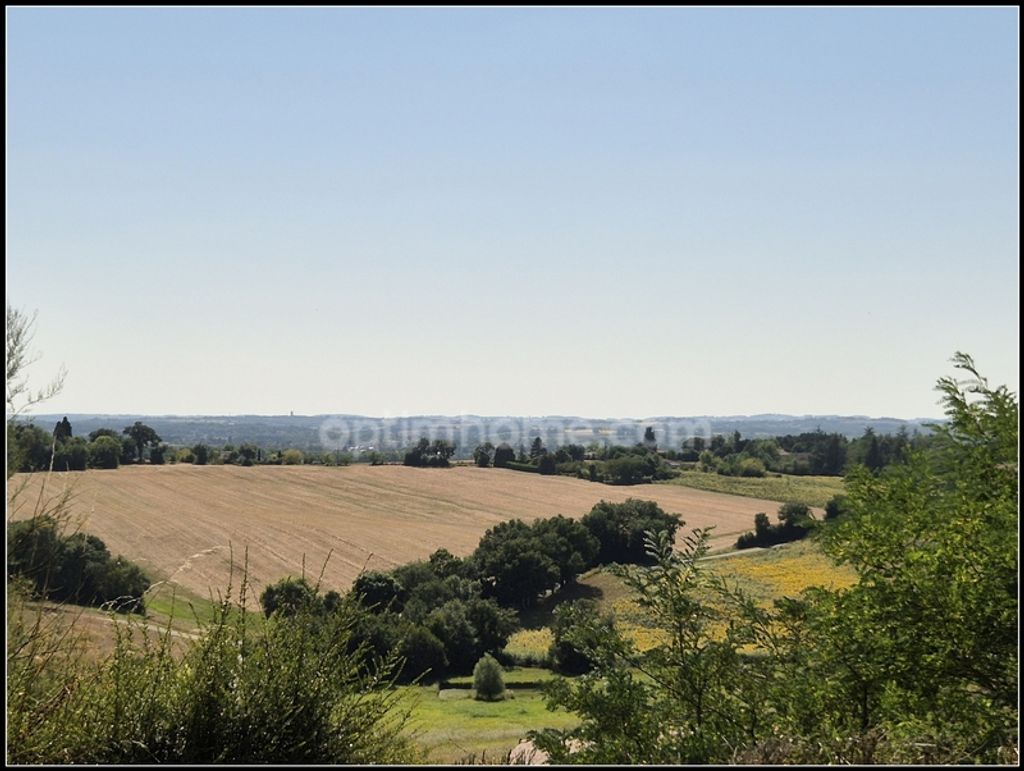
(449, 725)
(783, 488)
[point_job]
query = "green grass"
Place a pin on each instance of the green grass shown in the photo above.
(166, 601)
(812, 490)
(450, 725)
(186, 611)
(517, 676)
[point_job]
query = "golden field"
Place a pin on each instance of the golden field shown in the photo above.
(182, 522)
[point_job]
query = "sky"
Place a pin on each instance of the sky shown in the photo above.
(513, 211)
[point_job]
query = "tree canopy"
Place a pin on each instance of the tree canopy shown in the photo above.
(142, 436)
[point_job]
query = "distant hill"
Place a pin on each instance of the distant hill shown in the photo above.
(333, 432)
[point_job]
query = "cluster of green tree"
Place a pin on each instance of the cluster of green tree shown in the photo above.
(611, 464)
(75, 568)
(812, 452)
(107, 450)
(517, 563)
(244, 454)
(31, 448)
(916, 663)
(443, 614)
(434, 454)
(291, 596)
(430, 613)
(736, 456)
(486, 454)
(620, 529)
(795, 522)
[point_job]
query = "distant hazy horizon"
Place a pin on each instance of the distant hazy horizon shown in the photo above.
(513, 211)
(43, 412)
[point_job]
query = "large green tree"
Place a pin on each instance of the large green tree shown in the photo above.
(512, 565)
(620, 528)
(502, 455)
(917, 662)
(569, 544)
(142, 435)
(934, 543)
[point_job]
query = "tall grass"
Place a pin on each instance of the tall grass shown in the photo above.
(284, 690)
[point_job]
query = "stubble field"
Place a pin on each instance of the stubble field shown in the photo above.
(183, 522)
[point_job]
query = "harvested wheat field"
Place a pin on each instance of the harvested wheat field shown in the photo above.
(182, 522)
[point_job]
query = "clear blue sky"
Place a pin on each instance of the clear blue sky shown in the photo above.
(596, 212)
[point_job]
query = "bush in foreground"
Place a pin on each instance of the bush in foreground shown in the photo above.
(289, 690)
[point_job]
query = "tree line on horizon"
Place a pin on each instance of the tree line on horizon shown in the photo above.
(31, 448)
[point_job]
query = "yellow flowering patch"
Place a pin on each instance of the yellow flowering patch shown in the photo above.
(530, 643)
(784, 571)
(764, 574)
(643, 638)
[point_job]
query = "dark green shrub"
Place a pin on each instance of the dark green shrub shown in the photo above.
(72, 454)
(836, 507)
(200, 454)
(33, 552)
(424, 656)
(289, 596)
(379, 591)
(105, 452)
(520, 466)
(502, 455)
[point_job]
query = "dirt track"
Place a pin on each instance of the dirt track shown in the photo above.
(182, 521)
